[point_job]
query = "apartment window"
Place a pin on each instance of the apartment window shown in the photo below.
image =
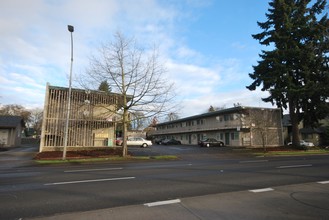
(235, 136)
(220, 119)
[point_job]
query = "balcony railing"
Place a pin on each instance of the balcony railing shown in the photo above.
(200, 128)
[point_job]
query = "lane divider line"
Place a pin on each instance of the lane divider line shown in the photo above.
(90, 170)
(89, 181)
(261, 190)
(253, 161)
(324, 182)
(167, 202)
(294, 166)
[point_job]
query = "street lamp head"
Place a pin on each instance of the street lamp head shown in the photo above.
(70, 28)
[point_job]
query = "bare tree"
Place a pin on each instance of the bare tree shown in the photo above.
(213, 109)
(16, 110)
(36, 119)
(136, 74)
(263, 123)
(172, 116)
(137, 120)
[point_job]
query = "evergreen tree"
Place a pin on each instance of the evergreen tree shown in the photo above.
(295, 72)
(104, 86)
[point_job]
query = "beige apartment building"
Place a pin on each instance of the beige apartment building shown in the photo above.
(237, 126)
(92, 119)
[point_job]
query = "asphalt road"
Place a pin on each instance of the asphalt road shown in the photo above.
(28, 191)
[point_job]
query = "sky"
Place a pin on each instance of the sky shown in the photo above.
(206, 46)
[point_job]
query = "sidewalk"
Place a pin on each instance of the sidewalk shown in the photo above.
(303, 201)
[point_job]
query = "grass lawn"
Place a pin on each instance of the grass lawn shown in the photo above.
(91, 156)
(291, 152)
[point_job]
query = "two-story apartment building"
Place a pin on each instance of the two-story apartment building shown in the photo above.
(237, 126)
(92, 119)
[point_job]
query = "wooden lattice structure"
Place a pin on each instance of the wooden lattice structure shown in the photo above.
(92, 119)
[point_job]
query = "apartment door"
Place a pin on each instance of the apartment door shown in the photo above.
(200, 136)
(227, 138)
(4, 136)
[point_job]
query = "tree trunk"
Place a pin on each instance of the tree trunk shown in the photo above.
(294, 123)
(125, 135)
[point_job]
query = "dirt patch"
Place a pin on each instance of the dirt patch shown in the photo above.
(100, 153)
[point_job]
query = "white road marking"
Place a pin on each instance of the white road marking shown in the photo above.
(261, 190)
(178, 148)
(89, 181)
(294, 166)
(167, 202)
(90, 170)
(253, 161)
(324, 182)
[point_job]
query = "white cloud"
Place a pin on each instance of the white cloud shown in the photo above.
(35, 48)
(201, 104)
(192, 79)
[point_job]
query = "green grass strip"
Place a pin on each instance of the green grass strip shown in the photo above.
(114, 158)
(292, 153)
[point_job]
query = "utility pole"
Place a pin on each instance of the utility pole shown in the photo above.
(71, 30)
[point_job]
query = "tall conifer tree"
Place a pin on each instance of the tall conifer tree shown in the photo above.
(295, 72)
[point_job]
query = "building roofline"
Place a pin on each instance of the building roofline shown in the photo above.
(11, 121)
(209, 114)
(83, 90)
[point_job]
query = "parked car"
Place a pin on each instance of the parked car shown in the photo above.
(170, 142)
(158, 140)
(210, 142)
(118, 141)
(303, 144)
(138, 141)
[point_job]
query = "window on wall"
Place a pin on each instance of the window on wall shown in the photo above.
(235, 136)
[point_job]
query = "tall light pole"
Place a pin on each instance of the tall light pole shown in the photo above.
(71, 30)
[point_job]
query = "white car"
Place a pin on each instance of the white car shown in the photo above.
(138, 141)
(304, 143)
